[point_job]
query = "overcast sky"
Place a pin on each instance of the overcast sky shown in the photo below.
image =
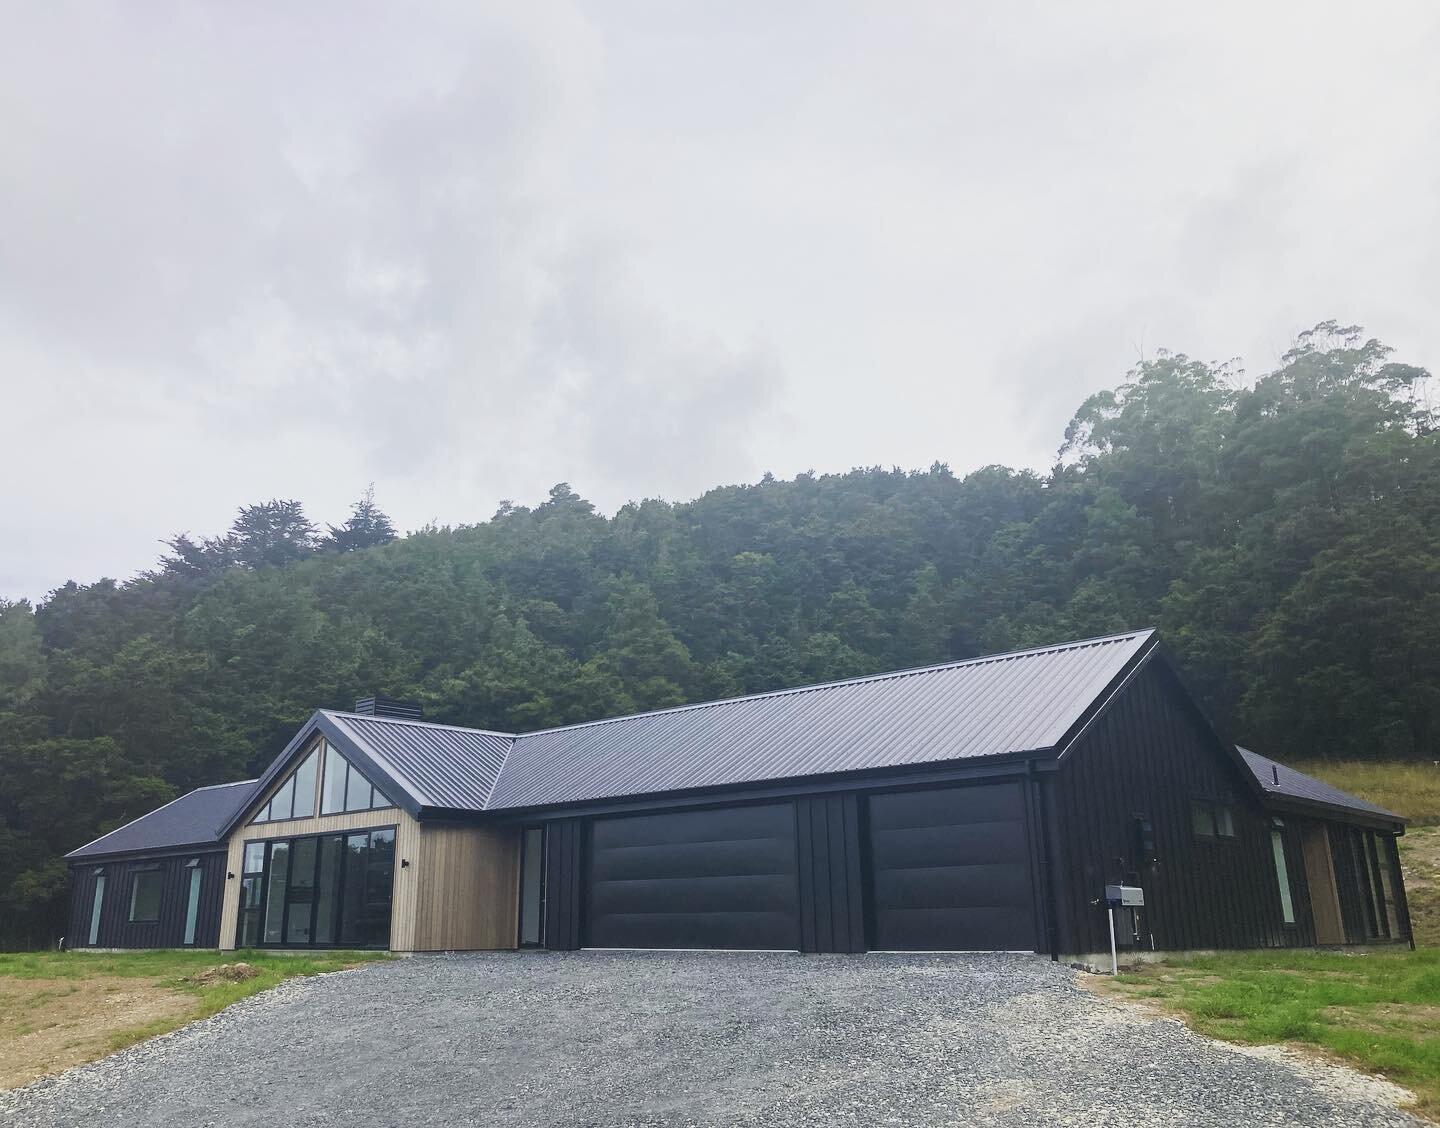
(279, 249)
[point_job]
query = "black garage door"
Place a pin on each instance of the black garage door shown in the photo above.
(694, 879)
(950, 870)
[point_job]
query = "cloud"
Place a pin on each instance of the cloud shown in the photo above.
(466, 250)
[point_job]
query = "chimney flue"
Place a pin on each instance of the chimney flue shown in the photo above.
(377, 706)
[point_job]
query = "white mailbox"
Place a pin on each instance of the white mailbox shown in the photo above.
(1125, 896)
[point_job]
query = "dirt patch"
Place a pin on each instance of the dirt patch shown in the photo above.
(224, 973)
(47, 1025)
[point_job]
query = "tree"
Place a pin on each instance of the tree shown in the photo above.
(366, 526)
(271, 534)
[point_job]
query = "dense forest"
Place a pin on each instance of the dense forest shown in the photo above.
(1284, 534)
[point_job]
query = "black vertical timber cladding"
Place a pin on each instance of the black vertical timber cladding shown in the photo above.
(563, 876)
(832, 917)
(116, 928)
(1150, 754)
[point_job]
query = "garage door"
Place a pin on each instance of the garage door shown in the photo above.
(950, 870)
(694, 879)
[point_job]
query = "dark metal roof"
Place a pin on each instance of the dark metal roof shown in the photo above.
(440, 765)
(1280, 782)
(191, 820)
(1002, 704)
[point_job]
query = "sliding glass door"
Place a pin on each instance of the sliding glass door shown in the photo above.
(320, 891)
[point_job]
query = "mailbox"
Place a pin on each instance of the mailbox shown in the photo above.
(1124, 896)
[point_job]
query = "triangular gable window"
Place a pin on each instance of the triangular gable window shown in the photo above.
(345, 788)
(340, 787)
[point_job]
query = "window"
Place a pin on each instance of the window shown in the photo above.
(252, 882)
(318, 890)
(95, 907)
(1282, 875)
(192, 900)
(295, 798)
(145, 896)
(532, 887)
(345, 788)
(1212, 820)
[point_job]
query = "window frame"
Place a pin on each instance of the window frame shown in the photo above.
(1213, 810)
(151, 871)
(525, 831)
(1284, 882)
(340, 877)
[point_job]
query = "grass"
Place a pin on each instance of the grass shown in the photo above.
(1378, 1011)
(58, 1009)
(1409, 789)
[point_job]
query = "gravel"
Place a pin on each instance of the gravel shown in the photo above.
(659, 1038)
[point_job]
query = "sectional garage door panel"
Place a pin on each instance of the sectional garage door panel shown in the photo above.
(695, 879)
(950, 870)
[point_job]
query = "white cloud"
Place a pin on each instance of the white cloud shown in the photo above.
(466, 250)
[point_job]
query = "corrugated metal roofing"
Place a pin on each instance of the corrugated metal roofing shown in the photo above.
(1278, 780)
(190, 820)
(1006, 703)
(443, 765)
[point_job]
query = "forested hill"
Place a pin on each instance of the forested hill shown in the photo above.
(1284, 534)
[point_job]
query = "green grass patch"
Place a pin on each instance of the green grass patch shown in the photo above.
(1380, 1011)
(173, 970)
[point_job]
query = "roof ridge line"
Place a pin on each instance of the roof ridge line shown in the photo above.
(979, 660)
(413, 721)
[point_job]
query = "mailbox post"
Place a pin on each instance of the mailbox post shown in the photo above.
(1121, 896)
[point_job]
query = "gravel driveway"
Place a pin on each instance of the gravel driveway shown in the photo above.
(596, 1038)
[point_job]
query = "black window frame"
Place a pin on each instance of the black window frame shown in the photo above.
(338, 908)
(151, 871)
(1213, 808)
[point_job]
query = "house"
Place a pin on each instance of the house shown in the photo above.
(977, 805)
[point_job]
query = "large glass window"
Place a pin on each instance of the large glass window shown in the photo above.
(145, 890)
(532, 887)
(277, 874)
(1282, 875)
(95, 907)
(192, 900)
(319, 890)
(301, 895)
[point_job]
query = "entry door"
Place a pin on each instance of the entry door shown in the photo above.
(950, 870)
(725, 878)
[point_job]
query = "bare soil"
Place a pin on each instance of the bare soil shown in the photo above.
(48, 1025)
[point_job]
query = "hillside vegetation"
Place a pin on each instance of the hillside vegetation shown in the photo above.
(1284, 534)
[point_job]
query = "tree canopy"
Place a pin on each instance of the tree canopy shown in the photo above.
(1284, 534)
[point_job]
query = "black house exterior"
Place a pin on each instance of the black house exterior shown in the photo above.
(979, 805)
(157, 882)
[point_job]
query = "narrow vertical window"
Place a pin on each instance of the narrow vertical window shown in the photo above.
(305, 786)
(1282, 875)
(95, 907)
(532, 887)
(192, 901)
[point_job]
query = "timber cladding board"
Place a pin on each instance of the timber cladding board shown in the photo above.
(467, 888)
